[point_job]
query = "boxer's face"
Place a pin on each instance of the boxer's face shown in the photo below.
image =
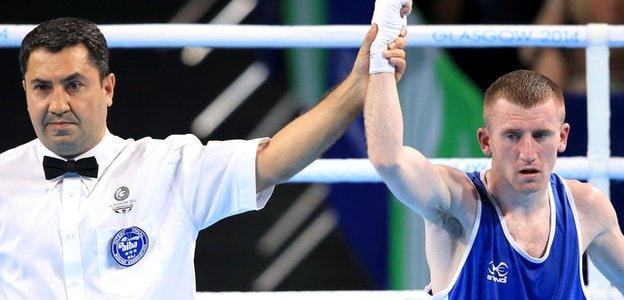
(524, 143)
(67, 101)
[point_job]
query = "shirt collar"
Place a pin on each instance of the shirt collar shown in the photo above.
(104, 152)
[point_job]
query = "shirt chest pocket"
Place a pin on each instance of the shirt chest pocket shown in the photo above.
(134, 280)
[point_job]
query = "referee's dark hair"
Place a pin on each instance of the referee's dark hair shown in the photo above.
(58, 34)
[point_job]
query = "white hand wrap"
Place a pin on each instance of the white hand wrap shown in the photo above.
(387, 16)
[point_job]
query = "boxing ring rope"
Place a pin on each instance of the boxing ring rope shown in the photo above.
(361, 170)
(342, 36)
(598, 167)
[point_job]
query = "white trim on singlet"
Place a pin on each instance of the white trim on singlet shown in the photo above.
(443, 294)
(578, 234)
(510, 239)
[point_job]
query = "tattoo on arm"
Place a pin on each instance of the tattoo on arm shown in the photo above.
(450, 224)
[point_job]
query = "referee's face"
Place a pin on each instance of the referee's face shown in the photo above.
(67, 101)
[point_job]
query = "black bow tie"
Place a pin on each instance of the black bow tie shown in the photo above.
(54, 167)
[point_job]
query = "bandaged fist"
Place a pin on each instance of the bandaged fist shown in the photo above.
(391, 19)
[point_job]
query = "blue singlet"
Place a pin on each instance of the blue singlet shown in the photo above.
(495, 267)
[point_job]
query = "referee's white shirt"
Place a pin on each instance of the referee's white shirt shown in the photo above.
(55, 234)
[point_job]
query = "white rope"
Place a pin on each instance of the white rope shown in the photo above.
(607, 293)
(330, 36)
(361, 170)
(305, 295)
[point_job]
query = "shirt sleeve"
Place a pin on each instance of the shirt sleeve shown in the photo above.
(218, 180)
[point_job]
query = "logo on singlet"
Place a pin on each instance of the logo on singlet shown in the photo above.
(498, 272)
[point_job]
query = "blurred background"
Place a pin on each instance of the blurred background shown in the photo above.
(310, 236)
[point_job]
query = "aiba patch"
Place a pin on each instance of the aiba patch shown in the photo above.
(129, 245)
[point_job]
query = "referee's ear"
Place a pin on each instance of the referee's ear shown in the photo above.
(108, 84)
(24, 85)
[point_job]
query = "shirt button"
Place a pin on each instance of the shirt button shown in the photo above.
(71, 236)
(75, 284)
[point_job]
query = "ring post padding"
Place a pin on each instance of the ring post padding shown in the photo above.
(598, 108)
(598, 118)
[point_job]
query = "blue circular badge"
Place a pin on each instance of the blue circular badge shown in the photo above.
(129, 245)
